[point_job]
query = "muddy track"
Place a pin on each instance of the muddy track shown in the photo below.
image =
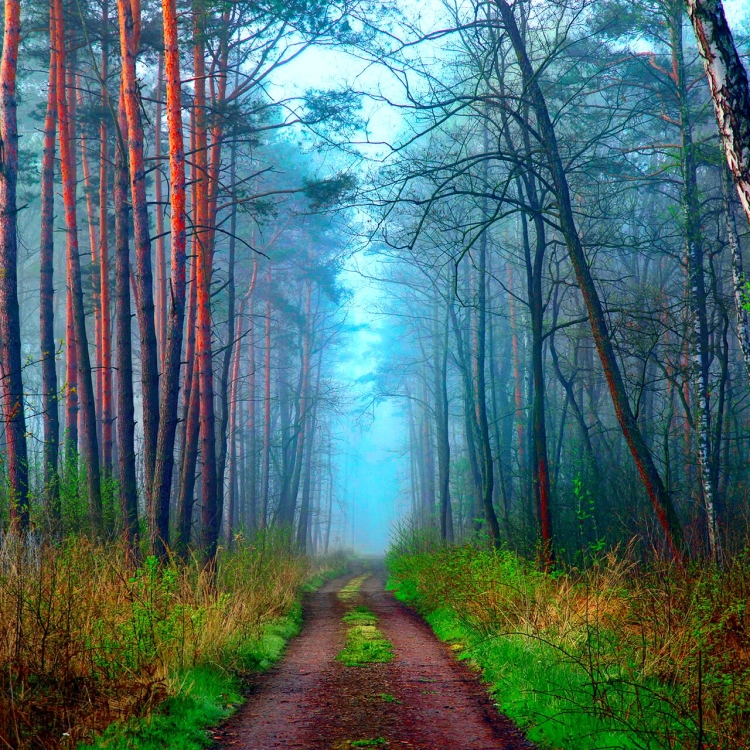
(422, 700)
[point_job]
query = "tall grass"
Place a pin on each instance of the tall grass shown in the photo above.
(87, 639)
(621, 655)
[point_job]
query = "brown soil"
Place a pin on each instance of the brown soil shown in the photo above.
(313, 702)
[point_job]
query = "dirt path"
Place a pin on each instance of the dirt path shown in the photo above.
(422, 700)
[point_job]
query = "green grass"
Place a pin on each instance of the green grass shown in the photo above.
(548, 692)
(377, 742)
(365, 644)
(206, 695)
(351, 591)
(388, 698)
(360, 616)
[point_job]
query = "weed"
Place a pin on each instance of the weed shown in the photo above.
(377, 742)
(388, 698)
(360, 616)
(618, 655)
(86, 639)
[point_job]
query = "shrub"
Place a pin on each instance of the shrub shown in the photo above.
(87, 639)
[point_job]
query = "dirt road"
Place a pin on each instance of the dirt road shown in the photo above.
(422, 699)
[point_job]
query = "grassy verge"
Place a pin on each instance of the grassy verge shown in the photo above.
(152, 654)
(205, 695)
(618, 656)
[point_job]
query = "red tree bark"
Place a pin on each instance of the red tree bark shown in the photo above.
(10, 322)
(88, 415)
(129, 18)
(170, 388)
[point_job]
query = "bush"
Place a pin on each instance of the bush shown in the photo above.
(618, 655)
(86, 639)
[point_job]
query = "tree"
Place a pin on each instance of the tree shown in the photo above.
(10, 327)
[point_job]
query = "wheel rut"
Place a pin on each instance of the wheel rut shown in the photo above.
(421, 700)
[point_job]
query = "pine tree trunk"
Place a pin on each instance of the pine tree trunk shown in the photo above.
(266, 460)
(104, 293)
(160, 275)
(86, 388)
(172, 345)
(47, 294)
(10, 321)
(129, 24)
(123, 354)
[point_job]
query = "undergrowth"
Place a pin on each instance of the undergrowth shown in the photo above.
(87, 639)
(621, 655)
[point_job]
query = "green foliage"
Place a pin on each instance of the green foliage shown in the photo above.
(208, 696)
(617, 655)
(88, 638)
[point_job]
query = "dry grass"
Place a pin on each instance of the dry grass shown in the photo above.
(620, 622)
(86, 639)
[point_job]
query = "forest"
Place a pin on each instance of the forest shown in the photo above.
(280, 280)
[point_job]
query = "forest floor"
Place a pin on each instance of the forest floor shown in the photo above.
(418, 698)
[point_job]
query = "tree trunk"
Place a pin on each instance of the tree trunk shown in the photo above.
(123, 354)
(160, 276)
(303, 530)
(740, 288)
(172, 344)
(232, 408)
(697, 283)
(440, 388)
(86, 388)
(266, 460)
(730, 92)
(10, 321)
(47, 293)
(130, 22)
(252, 458)
(104, 295)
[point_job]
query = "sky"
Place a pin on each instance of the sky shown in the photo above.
(372, 438)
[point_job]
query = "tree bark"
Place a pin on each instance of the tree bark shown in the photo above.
(172, 345)
(104, 292)
(697, 283)
(86, 388)
(123, 353)
(129, 20)
(10, 321)
(730, 92)
(47, 293)
(266, 459)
